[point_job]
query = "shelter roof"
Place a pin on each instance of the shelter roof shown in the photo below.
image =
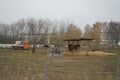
(79, 39)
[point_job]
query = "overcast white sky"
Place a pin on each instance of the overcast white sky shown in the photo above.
(81, 12)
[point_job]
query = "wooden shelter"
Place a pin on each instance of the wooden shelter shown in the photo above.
(73, 44)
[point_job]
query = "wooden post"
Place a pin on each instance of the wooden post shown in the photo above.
(118, 68)
(46, 64)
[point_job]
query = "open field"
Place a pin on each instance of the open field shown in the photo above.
(113, 51)
(23, 65)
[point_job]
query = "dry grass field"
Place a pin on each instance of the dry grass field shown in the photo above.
(23, 65)
(99, 53)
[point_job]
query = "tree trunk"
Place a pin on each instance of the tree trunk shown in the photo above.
(116, 42)
(34, 48)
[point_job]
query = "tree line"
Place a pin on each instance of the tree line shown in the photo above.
(57, 31)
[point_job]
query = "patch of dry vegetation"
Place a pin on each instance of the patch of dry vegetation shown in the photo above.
(99, 53)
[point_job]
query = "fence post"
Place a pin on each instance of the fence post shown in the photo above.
(118, 68)
(46, 64)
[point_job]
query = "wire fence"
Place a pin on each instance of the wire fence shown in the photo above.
(21, 68)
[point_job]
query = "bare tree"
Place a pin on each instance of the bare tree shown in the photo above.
(21, 25)
(4, 33)
(87, 33)
(96, 32)
(54, 37)
(58, 33)
(46, 30)
(14, 32)
(113, 32)
(62, 32)
(39, 31)
(32, 26)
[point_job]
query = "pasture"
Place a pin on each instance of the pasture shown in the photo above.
(23, 65)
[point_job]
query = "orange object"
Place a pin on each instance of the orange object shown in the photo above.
(26, 45)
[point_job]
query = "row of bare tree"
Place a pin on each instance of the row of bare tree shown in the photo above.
(57, 31)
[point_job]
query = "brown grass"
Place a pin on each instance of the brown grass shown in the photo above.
(31, 66)
(99, 53)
